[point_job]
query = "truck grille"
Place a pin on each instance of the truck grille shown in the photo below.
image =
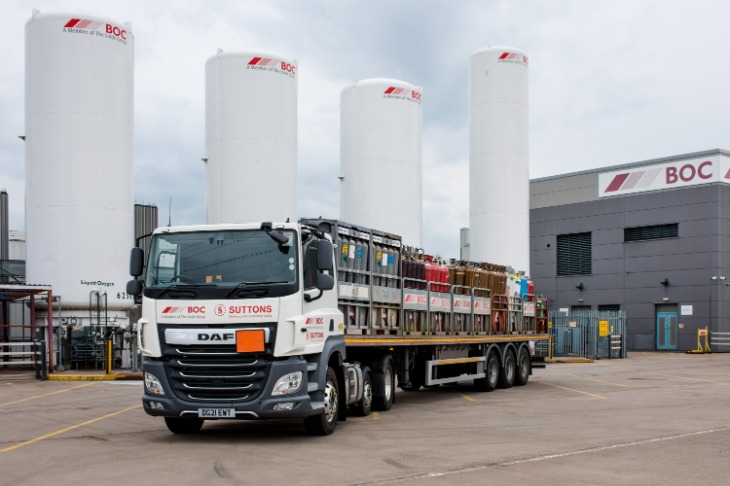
(215, 373)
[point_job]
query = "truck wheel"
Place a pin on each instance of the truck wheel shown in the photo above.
(492, 368)
(365, 405)
(178, 425)
(507, 376)
(325, 422)
(384, 390)
(523, 367)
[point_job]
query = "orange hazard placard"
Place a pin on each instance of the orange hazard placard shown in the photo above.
(250, 341)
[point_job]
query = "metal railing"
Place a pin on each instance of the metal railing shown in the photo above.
(719, 341)
(31, 353)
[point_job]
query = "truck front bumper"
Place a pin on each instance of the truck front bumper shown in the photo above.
(297, 405)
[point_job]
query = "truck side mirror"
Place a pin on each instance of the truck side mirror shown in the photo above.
(134, 287)
(324, 255)
(325, 281)
(136, 262)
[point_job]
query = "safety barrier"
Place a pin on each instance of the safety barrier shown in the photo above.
(586, 334)
(32, 353)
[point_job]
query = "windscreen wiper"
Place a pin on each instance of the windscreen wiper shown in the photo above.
(253, 289)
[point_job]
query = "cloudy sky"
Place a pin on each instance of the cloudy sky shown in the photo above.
(611, 82)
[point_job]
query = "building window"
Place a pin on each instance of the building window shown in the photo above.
(651, 232)
(574, 254)
(609, 308)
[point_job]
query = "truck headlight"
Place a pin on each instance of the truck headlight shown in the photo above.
(152, 384)
(288, 384)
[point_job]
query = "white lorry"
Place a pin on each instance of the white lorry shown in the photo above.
(311, 320)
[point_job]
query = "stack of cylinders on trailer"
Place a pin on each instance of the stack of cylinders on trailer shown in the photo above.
(498, 157)
(381, 125)
(79, 105)
(464, 275)
(251, 137)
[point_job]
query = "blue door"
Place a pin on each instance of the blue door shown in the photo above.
(666, 330)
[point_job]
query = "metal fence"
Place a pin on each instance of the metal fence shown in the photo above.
(585, 334)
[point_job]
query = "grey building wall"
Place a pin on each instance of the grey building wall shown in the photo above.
(629, 274)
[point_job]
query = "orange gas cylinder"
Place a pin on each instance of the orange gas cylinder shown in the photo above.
(459, 277)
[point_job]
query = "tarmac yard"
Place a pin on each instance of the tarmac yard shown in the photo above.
(653, 418)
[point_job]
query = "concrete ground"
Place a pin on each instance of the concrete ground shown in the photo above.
(650, 419)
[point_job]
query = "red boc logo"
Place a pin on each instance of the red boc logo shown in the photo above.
(688, 172)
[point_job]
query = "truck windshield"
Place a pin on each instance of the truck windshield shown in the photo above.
(223, 260)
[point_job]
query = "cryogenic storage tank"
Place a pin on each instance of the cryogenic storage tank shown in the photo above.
(499, 180)
(251, 137)
(79, 75)
(380, 157)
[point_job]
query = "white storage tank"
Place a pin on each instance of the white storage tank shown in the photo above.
(251, 137)
(499, 179)
(380, 157)
(79, 104)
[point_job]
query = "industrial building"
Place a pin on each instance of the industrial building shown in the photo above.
(649, 238)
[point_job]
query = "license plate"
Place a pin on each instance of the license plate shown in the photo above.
(217, 412)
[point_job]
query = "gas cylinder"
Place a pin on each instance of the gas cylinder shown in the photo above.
(428, 270)
(469, 274)
(376, 262)
(406, 270)
(452, 272)
(443, 276)
(459, 277)
(421, 271)
(394, 264)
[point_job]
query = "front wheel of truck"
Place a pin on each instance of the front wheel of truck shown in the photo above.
(325, 422)
(178, 425)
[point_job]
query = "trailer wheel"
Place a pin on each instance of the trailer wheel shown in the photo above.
(178, 425)
(523, 367)
(384, 389)
(492, 370)
(325, 422)
(365, 405)
(507, 376)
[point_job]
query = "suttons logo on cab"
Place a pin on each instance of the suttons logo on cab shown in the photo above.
(394, 92)
(273, 65)
(96, 28)
(513, 58)
(245, 311)
(183, 312)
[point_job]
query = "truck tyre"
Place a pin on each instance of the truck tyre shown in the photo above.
(507, 376)
(492, 370)
(523, 367)
(178, 425)
(365, 405)
(383, 387)
(325, 422)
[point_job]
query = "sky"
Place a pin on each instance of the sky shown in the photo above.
(611, 82)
